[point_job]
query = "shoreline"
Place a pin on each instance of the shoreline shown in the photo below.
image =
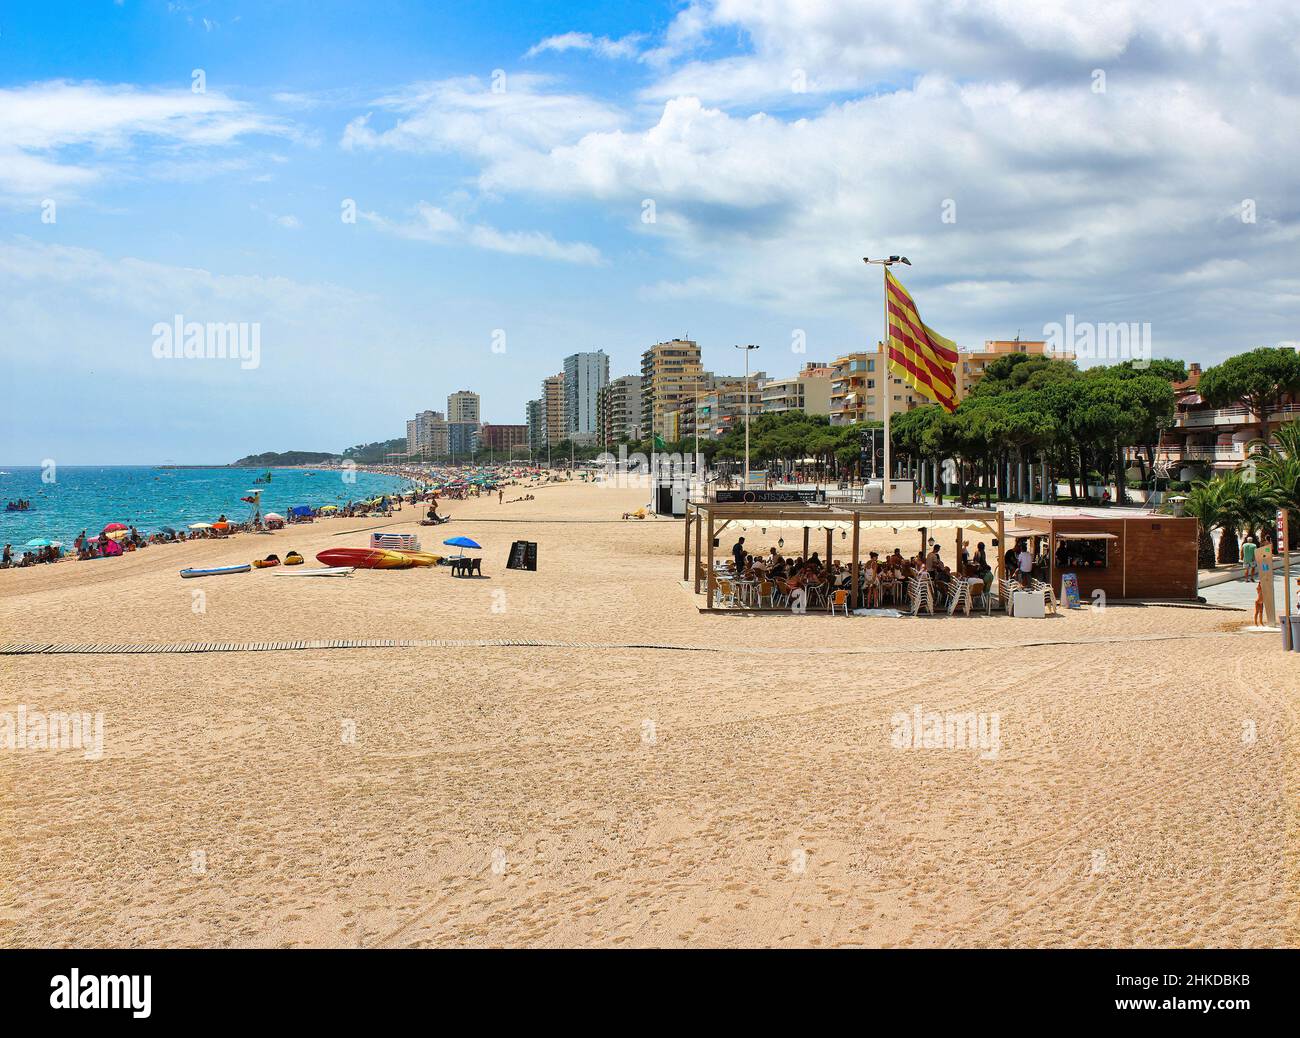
(417, 483)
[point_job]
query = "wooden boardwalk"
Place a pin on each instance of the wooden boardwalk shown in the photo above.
(108, 649)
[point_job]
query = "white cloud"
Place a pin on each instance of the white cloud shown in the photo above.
(439, 227)
(468, 115)
(603, 46)
(1066, 197)
(44, 128)
(848, 45)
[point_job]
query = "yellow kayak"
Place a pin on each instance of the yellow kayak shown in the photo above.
(418, 558)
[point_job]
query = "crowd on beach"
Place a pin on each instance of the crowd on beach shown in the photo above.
(776, 575)
(432, 485)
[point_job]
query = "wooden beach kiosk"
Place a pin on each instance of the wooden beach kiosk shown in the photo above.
(706, 520)
(1148, 556)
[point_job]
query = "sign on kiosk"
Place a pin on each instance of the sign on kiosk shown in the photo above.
(1070, 590)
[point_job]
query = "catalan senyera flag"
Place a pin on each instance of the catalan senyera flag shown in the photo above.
(919, 355)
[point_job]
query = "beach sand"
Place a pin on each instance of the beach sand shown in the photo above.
(1142, 791)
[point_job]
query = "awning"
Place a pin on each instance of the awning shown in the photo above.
(1086, 535)
(1020, 531)
(865, 524)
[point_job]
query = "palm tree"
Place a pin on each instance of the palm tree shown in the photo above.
(1277, 469)
(1246, 505)
(1204, 504)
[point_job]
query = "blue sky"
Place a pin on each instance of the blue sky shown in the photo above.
(503, 157)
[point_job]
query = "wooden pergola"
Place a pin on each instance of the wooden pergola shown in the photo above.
(709, 519)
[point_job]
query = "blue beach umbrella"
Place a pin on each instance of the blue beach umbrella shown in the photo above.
(45, 542)
(462, 542)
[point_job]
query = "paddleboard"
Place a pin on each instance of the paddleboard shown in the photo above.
(364, 558)
(214, 571)
(328, 571)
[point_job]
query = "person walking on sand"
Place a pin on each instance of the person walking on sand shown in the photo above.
(1248, 559)
(501, 497)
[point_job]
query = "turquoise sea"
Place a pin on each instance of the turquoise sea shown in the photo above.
(149, 498)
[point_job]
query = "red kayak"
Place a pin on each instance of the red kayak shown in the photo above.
(364, 558)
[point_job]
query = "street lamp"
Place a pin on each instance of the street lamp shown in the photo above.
(884, 265)
(747, 349)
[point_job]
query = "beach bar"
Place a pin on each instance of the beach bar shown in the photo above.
(1145, 557)
(705, 521)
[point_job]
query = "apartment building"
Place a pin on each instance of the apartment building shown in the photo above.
(858, 379)
(971, 364)
(503, 439)
(809, 391)
(536, 419)
(719, 405)
(619, 410)
(463, 406)
(670, 374)
(553, 409)
(426, 435)
(1203, 440)
(462, 438)
(585, 375)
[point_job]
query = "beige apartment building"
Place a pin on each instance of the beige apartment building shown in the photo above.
(809, 391)
(463, 406)
(858, 380)
(670, 375)
(970, 366)
(553, 408)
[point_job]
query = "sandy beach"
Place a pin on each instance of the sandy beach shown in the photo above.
(737, 785)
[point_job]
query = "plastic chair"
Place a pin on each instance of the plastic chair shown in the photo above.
(839, 600)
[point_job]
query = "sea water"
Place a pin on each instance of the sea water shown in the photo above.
(149, 498)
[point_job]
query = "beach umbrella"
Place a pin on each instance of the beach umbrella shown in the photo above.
(200, 526)
(117, 535)
(111, 527)
(330, 508)
(274, 515)
(462, 542)
(43, 542)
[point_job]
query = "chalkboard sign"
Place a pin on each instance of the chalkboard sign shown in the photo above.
(1070, 590)
(736, 497)
(523, 555)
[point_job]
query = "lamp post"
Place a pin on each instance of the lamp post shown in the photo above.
(747, 349)
(884, 265)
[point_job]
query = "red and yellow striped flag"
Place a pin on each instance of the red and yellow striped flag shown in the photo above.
(919, 355)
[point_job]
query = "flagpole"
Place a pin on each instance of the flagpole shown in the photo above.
(885, 264)
(889, 388)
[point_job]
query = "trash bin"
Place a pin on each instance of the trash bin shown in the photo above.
(1295, 633)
